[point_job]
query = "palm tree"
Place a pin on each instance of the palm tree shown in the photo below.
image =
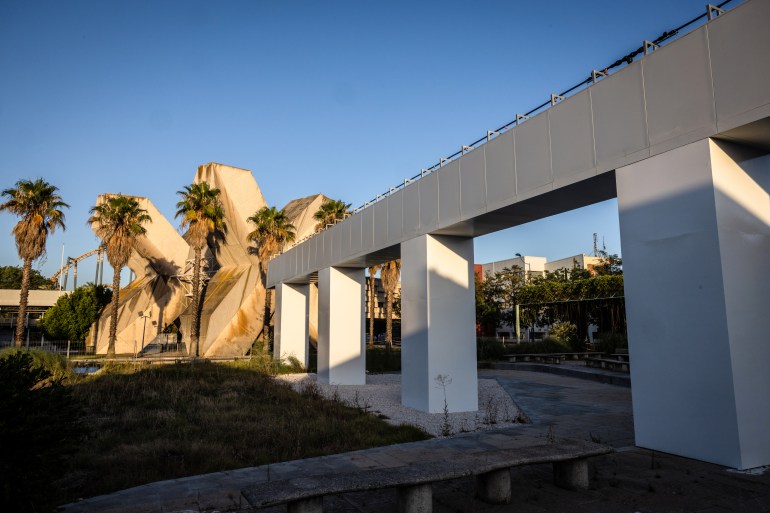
(389, 276)
(40, 210)
(202, 214)
(118, 222)
(331, 211)
(372, 300)
(272, 231)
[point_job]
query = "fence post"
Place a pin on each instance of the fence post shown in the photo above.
(68, 349)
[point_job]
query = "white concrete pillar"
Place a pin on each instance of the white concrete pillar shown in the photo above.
(341, 354)
(695, 232)
(438, 319)
(291, 323)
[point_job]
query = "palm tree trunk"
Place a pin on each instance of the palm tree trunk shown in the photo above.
(266, 324)
(372, 305)
(389, 320)
(23, 299)
(114, 313)
(195, 328)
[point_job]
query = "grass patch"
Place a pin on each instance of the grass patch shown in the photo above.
(167, 421)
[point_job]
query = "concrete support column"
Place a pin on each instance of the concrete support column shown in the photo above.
(695, 232)
(341, 354)
(291, 324)
(494, 487)
(438, 336)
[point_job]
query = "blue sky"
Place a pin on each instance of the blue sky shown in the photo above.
(341, 98)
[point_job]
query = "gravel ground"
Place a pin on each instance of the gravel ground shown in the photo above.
(382, 396)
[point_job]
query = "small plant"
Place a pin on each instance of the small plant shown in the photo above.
(491, 411)
(550, 435)
(443, 380)
(597, 439)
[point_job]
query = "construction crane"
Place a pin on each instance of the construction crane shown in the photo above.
(73, 262)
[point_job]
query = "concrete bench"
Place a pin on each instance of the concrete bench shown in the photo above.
(549, 357)
(414, 482)
(539, 358)
(609, 364)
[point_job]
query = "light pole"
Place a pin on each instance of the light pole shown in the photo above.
(145, 316)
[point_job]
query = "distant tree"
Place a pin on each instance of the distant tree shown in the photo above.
(489, 298)
(389, 274)
(610, 265)
(203, 216)
(74, 313)
(272, 230)
(11, 276)
(41, 211)
(118, 222)
(372, 301)
(331, 211)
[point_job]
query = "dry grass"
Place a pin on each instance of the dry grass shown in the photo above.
(169, 421)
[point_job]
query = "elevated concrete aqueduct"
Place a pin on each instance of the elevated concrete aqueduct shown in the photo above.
(681, 137)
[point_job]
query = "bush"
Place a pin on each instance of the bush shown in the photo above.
(567, 334)
(38, 432)
(55, 364)
(547, 345)
(489, 348)
(611, 342)
(383, 359)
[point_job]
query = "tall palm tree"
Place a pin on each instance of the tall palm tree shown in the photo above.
(372, 300)
(272, 230)
(118, 222)
(40, 210)
(389, 275)
(330, 212)
(202, 214)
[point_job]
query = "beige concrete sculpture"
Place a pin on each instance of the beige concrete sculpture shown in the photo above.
(154, 299)
(233, 298)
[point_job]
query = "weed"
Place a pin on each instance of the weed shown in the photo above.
(443, 380)
(550, 435)
(491, 411)
(597, 439)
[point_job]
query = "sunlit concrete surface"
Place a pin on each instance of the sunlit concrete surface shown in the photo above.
(438, 319)
(291, 337)
(695, 229)
(341, 352)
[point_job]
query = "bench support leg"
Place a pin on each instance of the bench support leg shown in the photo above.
(571, 474)
(314, 505)
(494, 487)
(415, 499)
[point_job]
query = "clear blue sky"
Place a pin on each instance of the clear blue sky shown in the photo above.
(341, 98)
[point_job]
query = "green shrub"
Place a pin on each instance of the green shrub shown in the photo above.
(611, 342)
(383, 359)
(55, 364)
(489, 348)
(547, 345)
(567, 334)
(38, 432)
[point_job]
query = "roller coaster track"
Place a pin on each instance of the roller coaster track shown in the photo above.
(73, 262)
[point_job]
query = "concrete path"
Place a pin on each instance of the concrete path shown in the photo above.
(557, 405)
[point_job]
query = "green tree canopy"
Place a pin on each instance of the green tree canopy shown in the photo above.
(74, 313)
(10, 278)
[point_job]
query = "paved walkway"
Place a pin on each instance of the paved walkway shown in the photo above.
(630, 480)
